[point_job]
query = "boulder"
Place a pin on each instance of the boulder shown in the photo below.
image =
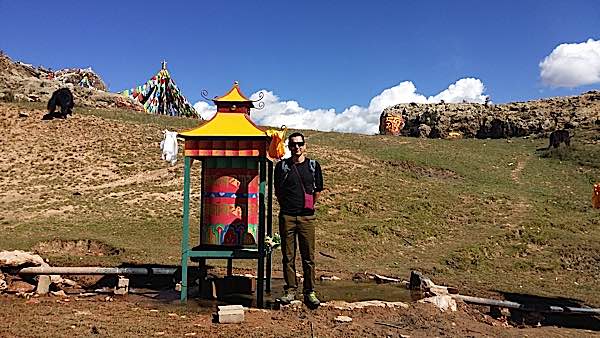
(18, 258)
(443, 302)
(424, 131)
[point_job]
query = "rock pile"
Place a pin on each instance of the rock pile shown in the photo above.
(517, 119)
(79, 77)
(10, 282)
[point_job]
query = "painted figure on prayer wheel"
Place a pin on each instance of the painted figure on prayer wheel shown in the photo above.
(230, 202)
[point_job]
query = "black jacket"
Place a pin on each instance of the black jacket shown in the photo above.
(287, 186)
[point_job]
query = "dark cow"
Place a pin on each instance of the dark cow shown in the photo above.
(63, 98)
(559, 136)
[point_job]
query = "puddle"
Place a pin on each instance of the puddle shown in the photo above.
(341, 290)
(351, 291)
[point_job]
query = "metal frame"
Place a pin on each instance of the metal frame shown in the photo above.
(265, 226)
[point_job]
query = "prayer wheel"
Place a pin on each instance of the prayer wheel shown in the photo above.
(230, 202)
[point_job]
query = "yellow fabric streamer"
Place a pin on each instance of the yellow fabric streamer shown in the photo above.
(277, 147)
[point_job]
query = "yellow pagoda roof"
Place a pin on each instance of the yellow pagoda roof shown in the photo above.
(226, 124)
(234, 95)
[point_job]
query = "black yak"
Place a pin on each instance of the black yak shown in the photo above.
(63, 98)
(559, 136)
(556, 138)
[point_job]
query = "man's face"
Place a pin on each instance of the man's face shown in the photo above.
(297, 146)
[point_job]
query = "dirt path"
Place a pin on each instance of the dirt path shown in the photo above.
(142, 316)
(515, 173)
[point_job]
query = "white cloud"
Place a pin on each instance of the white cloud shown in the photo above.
(205, 110)
(469, 90)
(354, 119)
(572, 64)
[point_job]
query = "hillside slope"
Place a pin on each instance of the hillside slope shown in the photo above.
(486, 215)
(24, 83)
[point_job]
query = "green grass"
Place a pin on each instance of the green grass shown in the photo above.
(485, 206)
(479, 214)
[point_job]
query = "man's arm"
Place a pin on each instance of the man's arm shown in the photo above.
(277, 180)
(318, 181)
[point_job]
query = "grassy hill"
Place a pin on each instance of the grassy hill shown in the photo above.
(483, 215)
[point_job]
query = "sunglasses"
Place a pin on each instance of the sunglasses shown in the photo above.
(293, 144)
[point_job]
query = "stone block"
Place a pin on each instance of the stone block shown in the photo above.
(43, 285)
(230, 314)
(122, 287)
(233, 318)
(225, 308)
(343, 319)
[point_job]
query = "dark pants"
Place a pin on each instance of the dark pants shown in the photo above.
(302, 227)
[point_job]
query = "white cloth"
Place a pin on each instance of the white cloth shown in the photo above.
(287, 153)
(169, 146)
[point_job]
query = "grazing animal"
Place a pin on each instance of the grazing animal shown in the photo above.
(559, 136)
(63, 98)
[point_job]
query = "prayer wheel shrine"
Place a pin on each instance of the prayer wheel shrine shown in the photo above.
(235, 189)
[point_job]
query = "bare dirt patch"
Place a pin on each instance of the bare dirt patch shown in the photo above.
(143, 316)
(82, 247)
(577, 257)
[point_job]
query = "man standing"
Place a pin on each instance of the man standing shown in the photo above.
(298, 182)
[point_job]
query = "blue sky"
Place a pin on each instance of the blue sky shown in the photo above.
(318, 55)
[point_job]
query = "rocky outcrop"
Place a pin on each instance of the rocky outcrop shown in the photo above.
(24, 82)
(516, 119)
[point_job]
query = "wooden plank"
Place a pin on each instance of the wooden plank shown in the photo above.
(185, 238)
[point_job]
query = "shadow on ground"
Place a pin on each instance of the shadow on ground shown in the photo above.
(540, 307)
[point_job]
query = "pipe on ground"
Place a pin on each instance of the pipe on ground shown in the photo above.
(526, 307)
(91, 270)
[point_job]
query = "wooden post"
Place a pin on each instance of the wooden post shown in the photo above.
(229, 267)
(185, 238)
(260, 278)
(269, 222)
(202, 191)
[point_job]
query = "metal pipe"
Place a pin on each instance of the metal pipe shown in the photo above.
(526, 307)
(91, 270)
